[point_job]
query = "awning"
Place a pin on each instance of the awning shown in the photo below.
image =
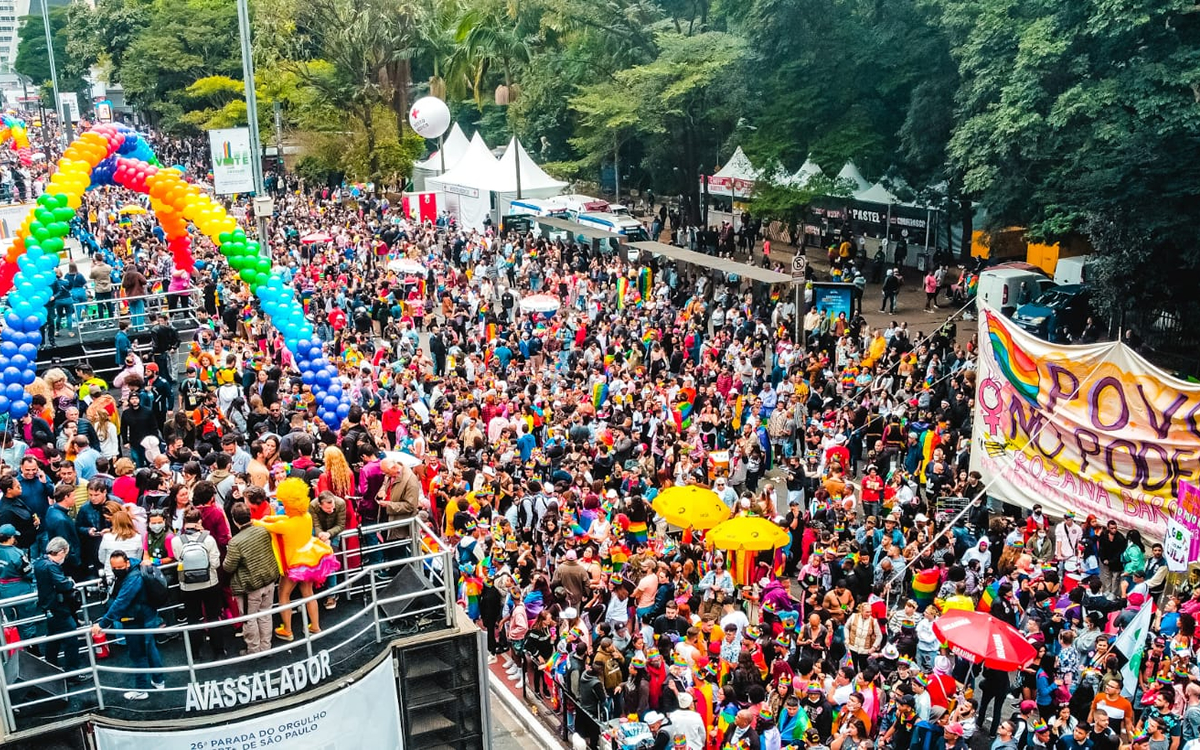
(575, 228)
(723, 265)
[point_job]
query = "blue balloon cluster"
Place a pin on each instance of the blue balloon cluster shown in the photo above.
(103, 173)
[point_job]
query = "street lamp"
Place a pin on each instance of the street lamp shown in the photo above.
(54, 75)
(261, 210)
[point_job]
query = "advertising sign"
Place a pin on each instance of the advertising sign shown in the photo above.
(1094, 429)
(833, 297)
(1182, 545)
(231, 155)
(69, 100)
(364, 715)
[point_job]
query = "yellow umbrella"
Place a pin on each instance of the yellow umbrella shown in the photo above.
(131, 209)
(747, 534)
(691, 507)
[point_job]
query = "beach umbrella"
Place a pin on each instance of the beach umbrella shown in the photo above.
(691, 507)
(401, 457)
(747, 534)
(543, 304)
(980, 638)
(315, 237)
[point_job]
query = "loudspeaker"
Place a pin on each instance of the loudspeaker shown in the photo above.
(23, 666)
(408, 581)
(441, 694)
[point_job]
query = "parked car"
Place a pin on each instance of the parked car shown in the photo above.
(1059, 315)
(1006, 289)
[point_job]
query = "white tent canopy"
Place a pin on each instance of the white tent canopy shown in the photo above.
(807, 170)
(480, 185)
(739, 167)
(877, 193)
(454, 146)
(850, 172)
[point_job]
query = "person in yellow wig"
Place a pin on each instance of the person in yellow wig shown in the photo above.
(303, 558)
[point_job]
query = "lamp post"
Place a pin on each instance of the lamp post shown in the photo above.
(260, 215)
(58, 104)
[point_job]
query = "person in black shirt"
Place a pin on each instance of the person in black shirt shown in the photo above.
(670, 622)
(1102, 735)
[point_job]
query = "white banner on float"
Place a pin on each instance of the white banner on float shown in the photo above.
(231, 154)
(364, 716)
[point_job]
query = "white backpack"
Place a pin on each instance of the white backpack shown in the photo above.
(193, 558)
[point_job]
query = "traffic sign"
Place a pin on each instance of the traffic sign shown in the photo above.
(799, 264)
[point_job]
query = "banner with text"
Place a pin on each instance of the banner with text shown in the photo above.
(231, 154)
(1182, 545)
(364, 715)
(1094, 429)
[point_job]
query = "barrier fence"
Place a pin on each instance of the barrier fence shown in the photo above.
(412, 551)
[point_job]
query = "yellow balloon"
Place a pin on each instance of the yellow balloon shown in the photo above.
(75, 201)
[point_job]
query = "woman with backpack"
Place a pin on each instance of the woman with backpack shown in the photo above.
(199, 588)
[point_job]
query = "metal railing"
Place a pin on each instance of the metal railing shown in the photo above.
(433, 566)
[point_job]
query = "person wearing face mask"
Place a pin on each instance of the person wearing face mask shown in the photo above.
(158, 538)
(127, 602)
(1036, 520)
(1040, 546)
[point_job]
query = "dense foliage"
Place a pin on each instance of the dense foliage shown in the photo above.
(1072, 119)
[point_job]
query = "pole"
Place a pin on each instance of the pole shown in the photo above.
(279, 135)
(252, 117)
(517, 161)
(58, 107)
(928, 224)
(799, 313)
(442, 151)
(617, 169)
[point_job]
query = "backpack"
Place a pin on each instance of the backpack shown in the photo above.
(612, 673)
(193, 558)
(154, 584)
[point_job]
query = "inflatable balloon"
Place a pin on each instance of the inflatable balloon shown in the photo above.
(429, 117)
(114, 154)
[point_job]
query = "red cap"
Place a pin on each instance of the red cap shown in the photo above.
(151, 367)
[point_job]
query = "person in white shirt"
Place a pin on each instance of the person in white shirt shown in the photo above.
(725, 492)
(688, 722)
(1067, 536)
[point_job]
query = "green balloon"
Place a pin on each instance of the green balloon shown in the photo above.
(38, 230)
(237, 262)
(225, 237)
(264, 266)
(59, 229)
(239, 235)
(238, 248)
(64, 214)
(62, 200)
(44, 215)
(52, 245)
(47, 200)
(247, 275)
(260, 279)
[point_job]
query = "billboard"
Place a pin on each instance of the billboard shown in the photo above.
(1094, 428)
(231, 155)
(69, 100)
(364, 715)
(833, 296)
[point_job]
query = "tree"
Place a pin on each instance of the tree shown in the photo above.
(33, 61)
(1076, 116)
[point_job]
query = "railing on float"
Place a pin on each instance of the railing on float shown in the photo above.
(433, 567)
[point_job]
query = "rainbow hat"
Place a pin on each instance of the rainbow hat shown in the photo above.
(638, 662)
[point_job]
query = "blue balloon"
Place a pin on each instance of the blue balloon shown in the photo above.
(303, 349)
(18, 361)
(34, 337)
(28, 351)
(13, 321)
(47, 263)
(8, 349)
(14, 391)
(308, 377)
(32, 323)
(11, 376)
(330, 403)
(343, 410)
(323, 378)
(18, 409)
(28, 376)
(4, 404)
(17, 337)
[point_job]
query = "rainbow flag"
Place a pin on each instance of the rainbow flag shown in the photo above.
(491, 331)
(973, 285)
(739, 410)
(645, 283)
(930, 439)
(599, 394)
(727, 715)
(649, 335)
(987, 597)
(638, 532)
(925, 586)
(686, 401)
(622, 290)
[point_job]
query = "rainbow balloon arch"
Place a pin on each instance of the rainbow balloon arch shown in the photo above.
(112, 154)
(13, 127)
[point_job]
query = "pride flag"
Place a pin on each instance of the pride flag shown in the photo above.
(491, 332)
(987, 597)
(599, 394)
(622, 291)
(930, 439)
(925, 585)
(645, 282)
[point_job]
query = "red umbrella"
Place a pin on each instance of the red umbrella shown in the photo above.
(982, 639)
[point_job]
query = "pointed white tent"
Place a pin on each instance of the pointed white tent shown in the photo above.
(850, 172)
(466, 185)
(877, 193)
(807, 170)
(535, 183)
(454, 146)
(737, 168)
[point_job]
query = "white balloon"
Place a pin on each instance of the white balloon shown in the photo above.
(429, 117)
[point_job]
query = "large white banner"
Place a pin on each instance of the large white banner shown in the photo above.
(1094, 429)
(364, 716)
(231, 157)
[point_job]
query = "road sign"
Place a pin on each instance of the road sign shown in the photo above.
(799, 264)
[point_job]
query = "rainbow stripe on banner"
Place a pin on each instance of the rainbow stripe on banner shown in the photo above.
(622, 290)
(987, 597)
(925, 586)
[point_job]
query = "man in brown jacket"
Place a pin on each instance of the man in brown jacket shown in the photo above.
(573, 577)
(401, 495)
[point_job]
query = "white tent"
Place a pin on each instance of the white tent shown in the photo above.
(807, 170)
(850, 172)
(454, 147)
(480, 186)
(738, 175)
(466, 186)
(877, 193)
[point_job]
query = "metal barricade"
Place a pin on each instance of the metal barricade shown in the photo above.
(420, 550)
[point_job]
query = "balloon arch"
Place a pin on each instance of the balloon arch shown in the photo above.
(112, 154)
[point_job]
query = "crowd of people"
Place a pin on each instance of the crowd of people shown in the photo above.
(537, 444)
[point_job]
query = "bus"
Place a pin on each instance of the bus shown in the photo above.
(623, 225)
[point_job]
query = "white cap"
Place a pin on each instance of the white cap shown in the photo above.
(570, 613)
(653, 717)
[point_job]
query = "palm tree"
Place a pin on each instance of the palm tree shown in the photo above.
(491, 34)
